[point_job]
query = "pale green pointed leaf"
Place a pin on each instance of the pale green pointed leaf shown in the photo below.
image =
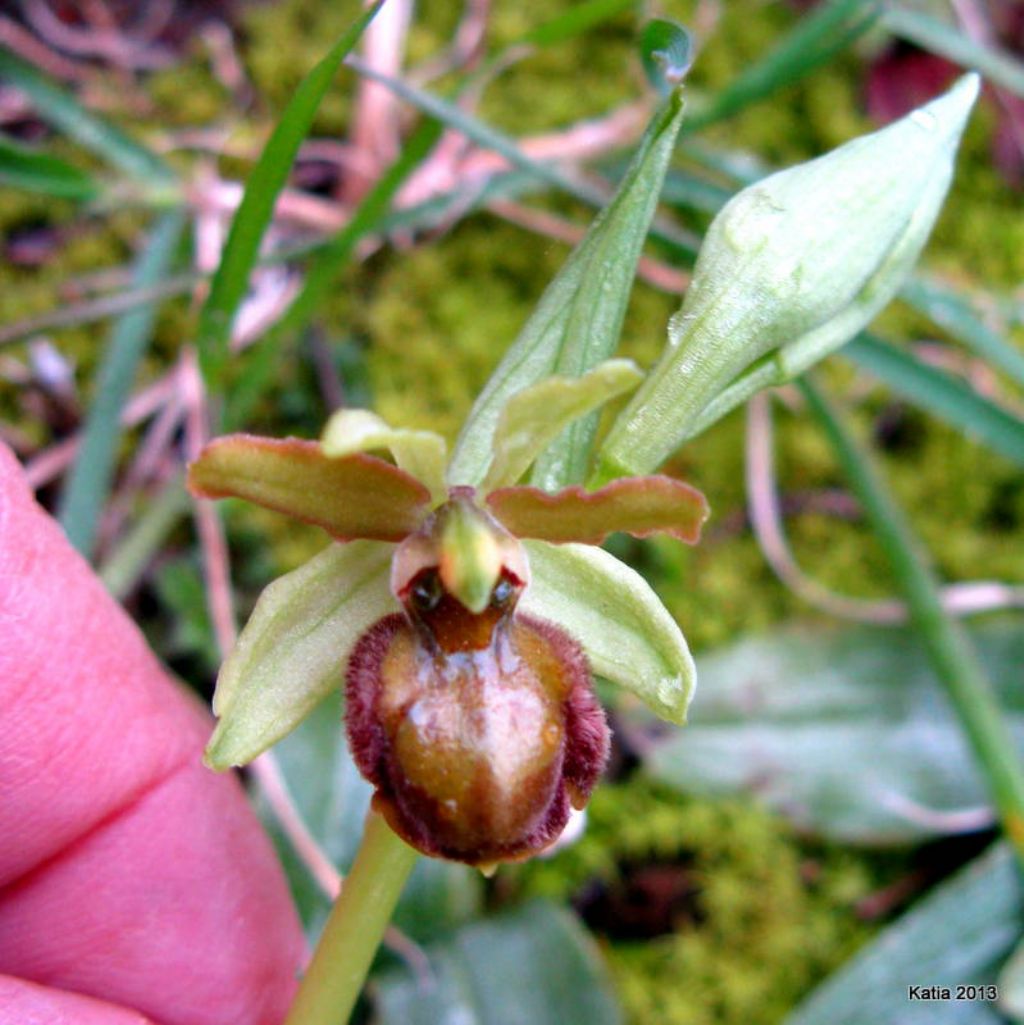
(959, 934)
(535, 964)
(355, 496)
(534, 417)
(293, 650)
(88, 485)
(576, 325)
(628, 635)
(842, 730)
(421, 453)
(790, 269)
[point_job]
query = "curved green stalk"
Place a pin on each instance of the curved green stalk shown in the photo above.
(951, 652)
(347, 946)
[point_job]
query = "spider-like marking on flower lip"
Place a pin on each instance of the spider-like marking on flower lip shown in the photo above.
(479, 729)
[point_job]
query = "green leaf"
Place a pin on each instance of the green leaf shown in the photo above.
(535, 964)
(611, 610)
(33, 171)
(935, 36)
(842, 730)
(640, 506)
(666, 50)
(1011, 985)
(293, 650)
(577, 322)
(256, 209)
(941, 394)
(333, 799)
(790, 269)
(420, 453)
(357, 496)
(534, 417)
(86, 487)
(960, 933)
(815, 39)
(63, 111)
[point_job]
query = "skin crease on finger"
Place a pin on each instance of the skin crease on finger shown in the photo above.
(128, 871)
(25, 1003)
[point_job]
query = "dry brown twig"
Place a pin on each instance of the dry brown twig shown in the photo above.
(113, 44)
(376, 122)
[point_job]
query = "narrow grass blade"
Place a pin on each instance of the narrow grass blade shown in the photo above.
(950, 310)
(254, 212)
(940, 394)
(490, 138)
(33, 171)
(579, 18)
(946, 40)
(326, 263)
(87, 486)
(126, 564)
(63, 111)
(949, 649)
(815, 39)
(477, 131)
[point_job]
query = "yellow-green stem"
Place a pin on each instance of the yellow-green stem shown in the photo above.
(353, 932)
(949, 648)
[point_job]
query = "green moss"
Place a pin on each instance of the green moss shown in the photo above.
(441, 317)
(187, 95)
(769, 919)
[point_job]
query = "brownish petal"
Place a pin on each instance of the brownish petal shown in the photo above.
(636, 505)
(357, 496)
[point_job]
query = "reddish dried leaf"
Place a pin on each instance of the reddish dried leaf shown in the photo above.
(637, 505)
(357, 496)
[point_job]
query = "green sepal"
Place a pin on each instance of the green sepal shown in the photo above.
(293, 650)
(357, 496)
(534, 417)
(577, 322)
(420, 453)
(628, 635)
(640, 506)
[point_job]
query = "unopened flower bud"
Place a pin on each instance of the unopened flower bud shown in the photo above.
(790, 269)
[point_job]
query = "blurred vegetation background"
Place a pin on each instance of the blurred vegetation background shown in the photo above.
(702, 904)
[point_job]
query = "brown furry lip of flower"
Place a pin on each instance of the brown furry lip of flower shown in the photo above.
(479, 729)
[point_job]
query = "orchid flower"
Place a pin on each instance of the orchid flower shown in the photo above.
(466, 620)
